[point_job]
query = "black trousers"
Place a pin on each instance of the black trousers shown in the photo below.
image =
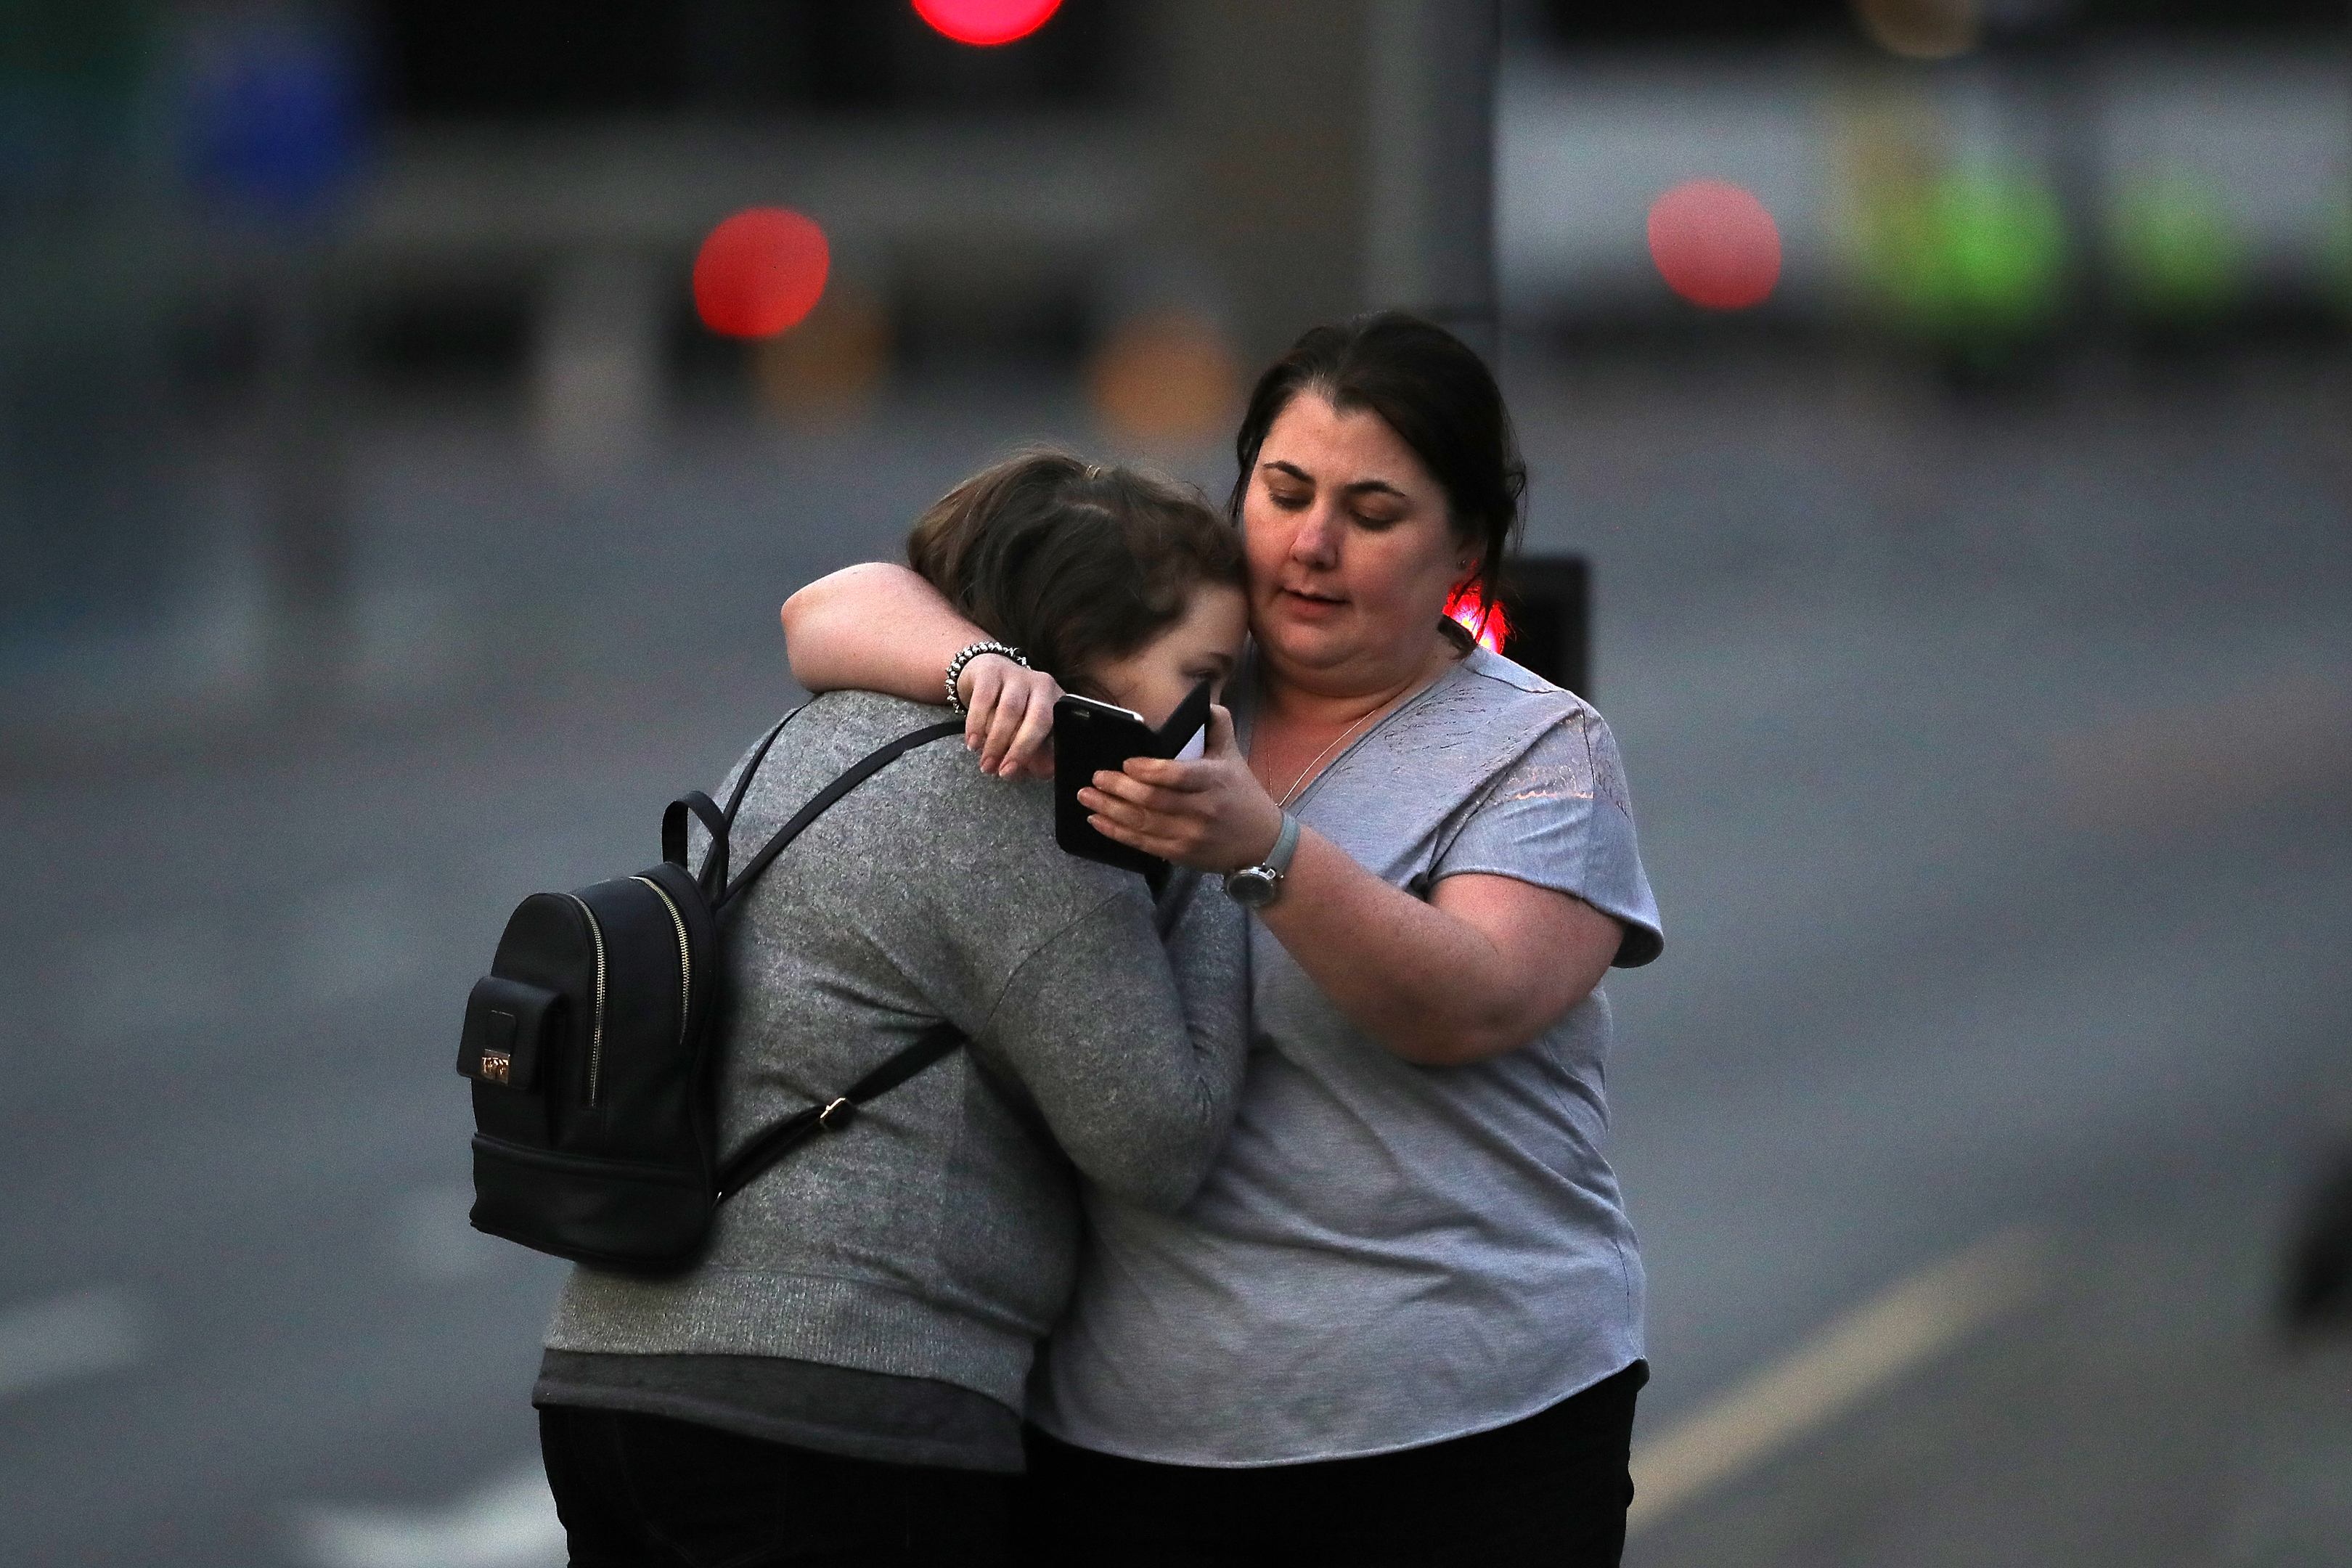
(1551, 1489)
(640, 1492)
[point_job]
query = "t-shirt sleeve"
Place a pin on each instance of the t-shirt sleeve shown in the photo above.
(1558, 816)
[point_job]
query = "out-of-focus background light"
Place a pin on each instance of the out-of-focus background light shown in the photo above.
(2337, 253)
(831, 367)
(987, 23)
(759, 273)
(274, 112)
(2179, 259)
(1164, 379)
(1974, 262)
(1714, 245)
(1922, 29)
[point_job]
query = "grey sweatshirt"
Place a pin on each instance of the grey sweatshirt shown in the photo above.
(936, 1237)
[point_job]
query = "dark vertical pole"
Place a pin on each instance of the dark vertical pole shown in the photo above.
(1266, 102)
(305, 543)
(1430, 129)
(274, 143)
(2048, 53)
(1335, 155)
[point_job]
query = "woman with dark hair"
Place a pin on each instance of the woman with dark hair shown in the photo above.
(841, 1380)
(1402, 1320)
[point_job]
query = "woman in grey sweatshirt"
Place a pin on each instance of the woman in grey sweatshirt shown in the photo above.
(842, 1378)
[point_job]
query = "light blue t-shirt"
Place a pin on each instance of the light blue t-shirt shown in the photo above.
(1387, 1254)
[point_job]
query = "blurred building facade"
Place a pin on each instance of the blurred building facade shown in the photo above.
(1937, 166)
(1966, 175)
(230, 230)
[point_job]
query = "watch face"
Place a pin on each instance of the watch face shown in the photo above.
(1253, 886)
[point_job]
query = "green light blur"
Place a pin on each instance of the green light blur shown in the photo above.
(2179, 258)
(2336, 255)
(1973, 261)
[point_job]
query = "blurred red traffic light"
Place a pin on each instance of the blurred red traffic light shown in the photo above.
(759, 273)
(1714, 245)
(986, 21)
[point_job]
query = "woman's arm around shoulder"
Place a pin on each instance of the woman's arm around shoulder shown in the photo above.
(882, 627)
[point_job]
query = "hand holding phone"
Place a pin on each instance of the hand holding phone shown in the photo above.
(1091, 737)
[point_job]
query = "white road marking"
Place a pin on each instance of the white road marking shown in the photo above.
(68, 1337)
(1875, 1343)
(510, 1523)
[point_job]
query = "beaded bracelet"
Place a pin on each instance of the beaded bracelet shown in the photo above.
(955, 666)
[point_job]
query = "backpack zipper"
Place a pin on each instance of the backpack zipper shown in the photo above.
(596, 1032)
(685, 956)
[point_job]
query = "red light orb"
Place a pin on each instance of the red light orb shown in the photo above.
(1484, 621)
(1714, 245)
(986, 21)
(759, 273)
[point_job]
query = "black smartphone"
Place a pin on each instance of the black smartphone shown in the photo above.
(1090, 737)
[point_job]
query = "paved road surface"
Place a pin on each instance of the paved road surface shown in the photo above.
(1990, 759)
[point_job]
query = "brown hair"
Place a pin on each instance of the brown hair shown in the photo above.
(1069, 560)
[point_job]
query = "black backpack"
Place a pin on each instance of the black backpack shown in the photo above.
(591, 1051)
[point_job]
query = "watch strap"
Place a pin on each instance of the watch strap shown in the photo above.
(1285, 844)
(1254, 886)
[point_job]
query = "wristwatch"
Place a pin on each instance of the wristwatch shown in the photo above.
(1254, 886)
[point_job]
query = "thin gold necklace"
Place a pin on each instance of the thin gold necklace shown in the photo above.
(1319, 756)
(1342, 735)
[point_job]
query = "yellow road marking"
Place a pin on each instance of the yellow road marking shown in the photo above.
(1870, 1346)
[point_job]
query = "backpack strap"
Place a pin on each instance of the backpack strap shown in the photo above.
(743, 784)
(716, 823)
(929, 1047)
(780, 1140)
(857, 775)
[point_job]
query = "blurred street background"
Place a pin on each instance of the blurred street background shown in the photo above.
(382, 538)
